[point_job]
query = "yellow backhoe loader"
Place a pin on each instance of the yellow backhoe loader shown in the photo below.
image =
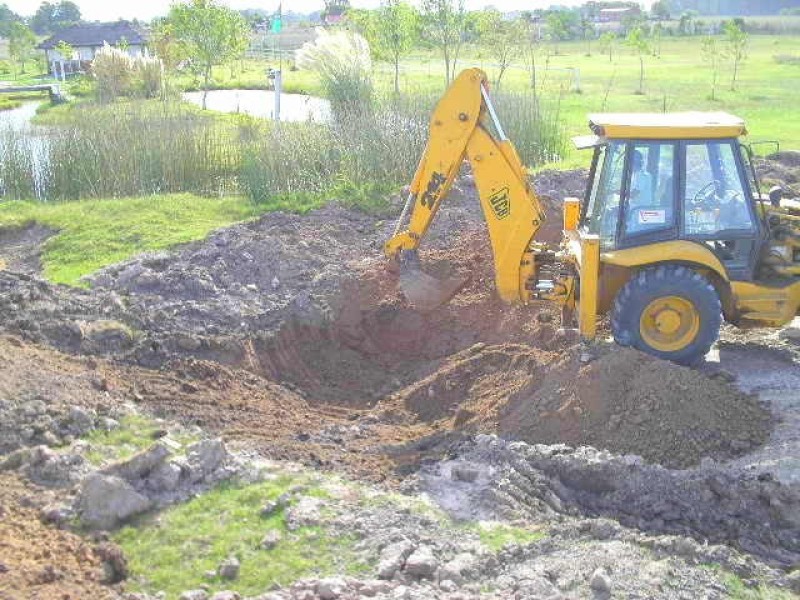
(673, 232)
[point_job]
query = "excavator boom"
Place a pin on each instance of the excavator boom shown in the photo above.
(459, 129)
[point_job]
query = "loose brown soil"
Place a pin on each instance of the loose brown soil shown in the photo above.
(38, 561)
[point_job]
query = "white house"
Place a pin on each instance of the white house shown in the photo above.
(87, 38)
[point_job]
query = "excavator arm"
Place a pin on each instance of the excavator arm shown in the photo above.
(513, 213)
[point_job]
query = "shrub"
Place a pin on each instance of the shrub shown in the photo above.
(119, 74)
(342, 61)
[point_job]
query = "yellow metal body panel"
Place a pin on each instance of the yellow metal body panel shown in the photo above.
(589, 277)
(667, 126)
(512, 215)
(676, 251)
(452, 124)
(572, 213)
(766, 305)
(512, 211)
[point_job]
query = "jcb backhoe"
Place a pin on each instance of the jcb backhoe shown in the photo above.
(672, 234)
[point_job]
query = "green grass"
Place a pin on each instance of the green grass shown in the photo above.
(677, 79)
(201, 533)
(495, 535)
(96, 233)
(134, 434)
(737, 590)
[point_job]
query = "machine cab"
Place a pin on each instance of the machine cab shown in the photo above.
(660, 177)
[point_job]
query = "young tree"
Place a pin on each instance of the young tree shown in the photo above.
(737, 47)
(168, 47)
(588, 33)
(501, 38)
(661, 10)
(396, 32)
(444, 24)
(641, 45)
(712, 55)
(213, 35)
(559, 26)
(608, 42)
(530, 33)
(21, 41)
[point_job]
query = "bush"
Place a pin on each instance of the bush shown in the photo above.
(119, 74)
(342, 61)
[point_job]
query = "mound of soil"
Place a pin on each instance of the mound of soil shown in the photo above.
(296, 319)
(38, 561)
(632, 403)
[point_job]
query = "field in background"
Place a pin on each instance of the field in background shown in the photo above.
(678, 79)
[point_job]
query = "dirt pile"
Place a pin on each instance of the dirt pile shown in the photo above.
(38, 561)
(754, 513)
(781, 168)
(631, 403)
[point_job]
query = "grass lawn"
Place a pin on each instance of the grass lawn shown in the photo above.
(96, 233)
(223, 522)
(677, 79)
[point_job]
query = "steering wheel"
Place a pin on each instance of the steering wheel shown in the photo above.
(702, 199)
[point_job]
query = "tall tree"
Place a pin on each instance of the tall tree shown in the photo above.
(51, 16)
(396, 31)
(444, 25)
(21, 41)
(7, 18)
(212, 34)
(661, 9)
(501, 38)
(335, 7)
(736, 37)
(559, 26)
(637, 39)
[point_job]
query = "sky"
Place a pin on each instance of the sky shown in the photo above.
(111, 10)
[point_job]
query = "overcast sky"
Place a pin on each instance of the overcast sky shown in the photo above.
(110, 10)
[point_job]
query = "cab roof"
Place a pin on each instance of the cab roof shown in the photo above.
(670, 126)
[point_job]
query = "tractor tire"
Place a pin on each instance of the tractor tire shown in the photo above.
(669, 311)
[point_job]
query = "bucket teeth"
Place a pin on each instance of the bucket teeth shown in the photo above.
(424, 291)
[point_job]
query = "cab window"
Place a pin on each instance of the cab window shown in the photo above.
(650, 189)
(715, 202)
(602, 211)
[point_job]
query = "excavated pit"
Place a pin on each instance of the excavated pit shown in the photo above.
(478, 366)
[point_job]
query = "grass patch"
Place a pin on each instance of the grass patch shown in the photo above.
(496, 535)
(134, 434)
(737, 590)
(226, 521)
(96, 233)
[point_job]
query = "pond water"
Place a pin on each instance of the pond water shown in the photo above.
(20, 117)
(261, 103)
(17, 131)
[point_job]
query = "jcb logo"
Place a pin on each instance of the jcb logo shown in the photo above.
(501, 204)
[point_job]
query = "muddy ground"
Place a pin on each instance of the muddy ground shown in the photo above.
(288, 335)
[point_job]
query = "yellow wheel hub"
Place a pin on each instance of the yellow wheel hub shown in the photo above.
(669, 323)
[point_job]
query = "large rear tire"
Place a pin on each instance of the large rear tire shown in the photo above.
(669, 311)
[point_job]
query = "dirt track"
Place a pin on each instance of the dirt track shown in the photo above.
(289, 334)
